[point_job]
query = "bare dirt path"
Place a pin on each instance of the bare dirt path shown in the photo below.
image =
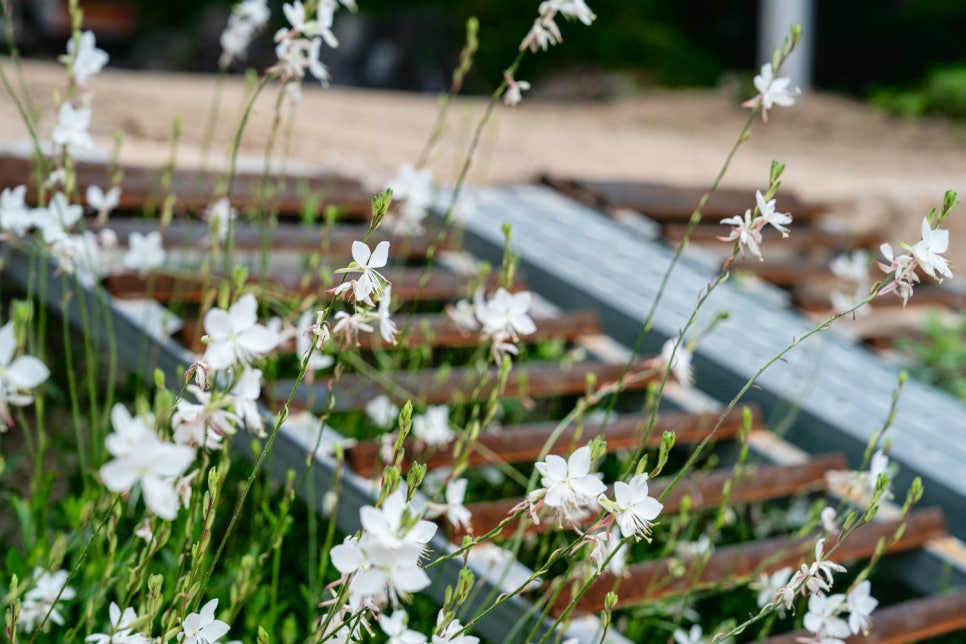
(871, 169)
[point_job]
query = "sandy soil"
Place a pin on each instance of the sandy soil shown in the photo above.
(870, 169)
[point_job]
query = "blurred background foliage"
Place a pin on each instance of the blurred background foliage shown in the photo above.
(904, 55)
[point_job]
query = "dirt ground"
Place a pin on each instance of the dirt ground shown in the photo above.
(870, 169)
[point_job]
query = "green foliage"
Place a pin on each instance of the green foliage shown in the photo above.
(941, 355)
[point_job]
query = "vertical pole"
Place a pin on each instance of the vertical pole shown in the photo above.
(774, 19)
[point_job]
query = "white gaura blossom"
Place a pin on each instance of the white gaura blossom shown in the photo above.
(514, 90)
(203, 628)
(632, 507)
(610, 549)
(57, 218)
(456, 513)
(246, 20)
(746, 232)
(382, 411)
(680, 363)
(246, 392)
(568, 485)
(413, 189)
(545, 31)
(71, 129)
(387, 328)
(822, 618)
(505, 313)
(382, 565)
(221, 216)
(306, 337)
(205, 422)
(14, 213)
(769, 586)
(771, 91)
(364, 261)
(766, 209)
(928, 251)
(88, 60)
(103, 202)
(234, 336)
(433, 427)
(860, 604)
(140, 456)
(395, 628)
(693, 636)
(144, 251)
(17, 377)
(449, 632)
(121, 629)
(48, 591)
(853, 269)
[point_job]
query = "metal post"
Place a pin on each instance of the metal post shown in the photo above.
(775, 18)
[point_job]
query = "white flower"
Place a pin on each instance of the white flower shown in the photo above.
(879, 464)
(246, 392)
(48, 590)
(456, 513)
(393, 523)
(928, 251)
(247, 18)
(220, 216)
(325, 16)
(767, 211)
(681, 365)
(383, 564)
(203, 628)
(505, 313)
(144, 251)
(694, 636)
(58, 217)
(771, 91)
(234, 336)
(827, 518)
(103, 202)
(140, 456)
(463, 316)
(204, 423)
(366, 262)
(609, 548)
(88, 61)
(860, 604)
(17, 377)
(306, 337)
(382, 411)
(542, 35)
(770, 586)
(449, 634)
(395, 629)
(633, 509)
(569, 485)
(71, 129)
(818, 577)
(746, 231)
(433, 426)
(514, 90)
(415, 188)
(120, 632)
(852, 268)
(822, 617)
(295, 14)
(387, 328)
(903, 271)
(14, 214)
(349, 326)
